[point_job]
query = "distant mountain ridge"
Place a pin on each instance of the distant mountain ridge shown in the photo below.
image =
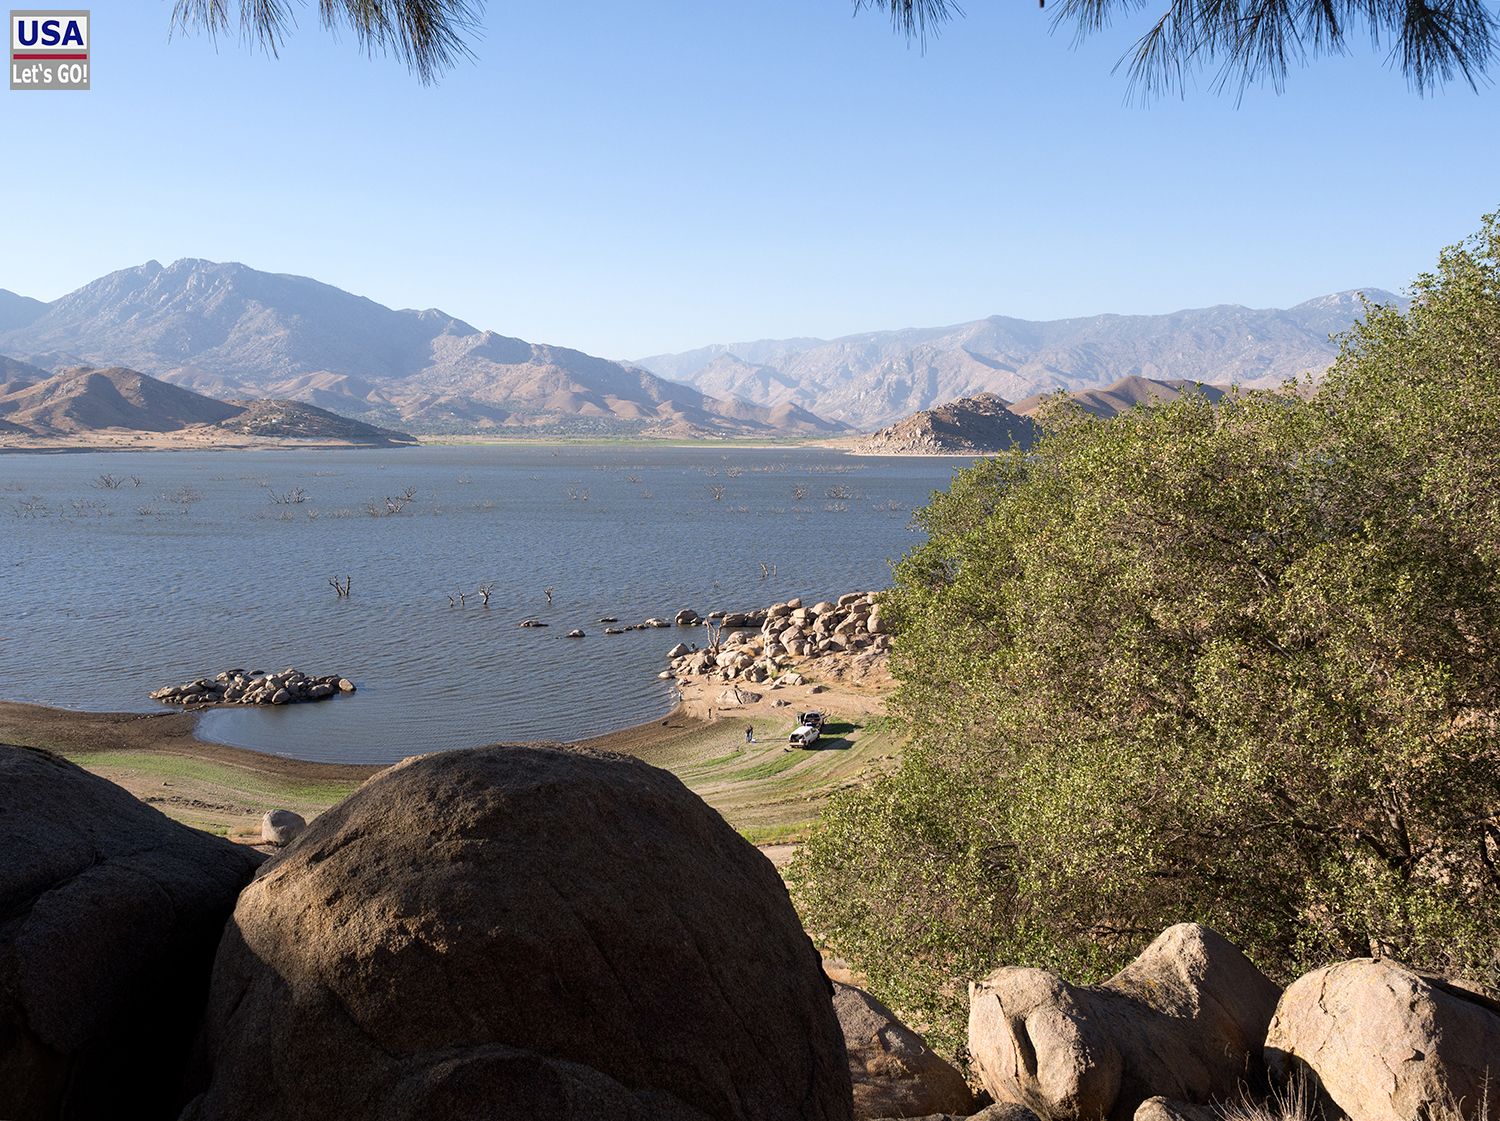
(1112, 400)
(17, 311)
(84, 401)
(986, 424)
(873, 379)
(232, 331)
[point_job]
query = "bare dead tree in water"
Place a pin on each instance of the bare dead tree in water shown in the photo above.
(341, 588)
(717, 490)
(547, 591)
(484, 594)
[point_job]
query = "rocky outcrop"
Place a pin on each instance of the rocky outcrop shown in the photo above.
(109, 916)
(449, 942)
(850, 633)
(1386, 1043)
(895, 1073)
(1186, 1020)
(238, 687)
(978, 425)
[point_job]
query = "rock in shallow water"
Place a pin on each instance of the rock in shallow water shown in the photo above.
(520, 932)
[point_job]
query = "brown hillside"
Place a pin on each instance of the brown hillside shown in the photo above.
(86, 400)
(82, 401)
(1122, 396)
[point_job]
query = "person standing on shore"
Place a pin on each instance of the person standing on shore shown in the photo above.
(750, 733)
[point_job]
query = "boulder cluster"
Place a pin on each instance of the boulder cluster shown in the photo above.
(1191, 1030)
(447, 942)
(764, 645)
(254, 687)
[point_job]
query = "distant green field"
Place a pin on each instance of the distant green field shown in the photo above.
(769, 791)
(232, 779)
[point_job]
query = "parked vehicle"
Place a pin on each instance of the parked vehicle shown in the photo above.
(809, 728)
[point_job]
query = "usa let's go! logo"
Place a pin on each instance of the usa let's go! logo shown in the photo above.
(49, 50)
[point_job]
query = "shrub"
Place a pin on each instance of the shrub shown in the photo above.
(1233, 663)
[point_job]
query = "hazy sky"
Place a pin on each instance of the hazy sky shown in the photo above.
(634, 178)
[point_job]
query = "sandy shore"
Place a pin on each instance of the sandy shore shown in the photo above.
(767, 790)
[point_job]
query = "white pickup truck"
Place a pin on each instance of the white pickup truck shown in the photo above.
(809, 728)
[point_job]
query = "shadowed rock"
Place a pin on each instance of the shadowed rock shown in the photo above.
(895, 1073)
(1186, 1019)
(1386, 1043)
(527, 932)
(109, 916)
(1001, 1111)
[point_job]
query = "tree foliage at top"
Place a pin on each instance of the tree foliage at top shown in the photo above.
(429, 36)
(1238, 664)
(1431, 41)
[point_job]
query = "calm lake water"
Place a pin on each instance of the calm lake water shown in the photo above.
(219, 560)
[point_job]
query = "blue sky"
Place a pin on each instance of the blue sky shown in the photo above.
(634, 178)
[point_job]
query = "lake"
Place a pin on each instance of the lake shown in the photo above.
(124, 572)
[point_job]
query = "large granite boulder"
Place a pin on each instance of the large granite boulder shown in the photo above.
(1185, 1020)
(895, 1073)
(1386, 1043)
(520, 932)
(109, 916)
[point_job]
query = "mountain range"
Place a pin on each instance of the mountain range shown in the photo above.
(870, 380)
(233, 332)
(230, 331)
(84, 401)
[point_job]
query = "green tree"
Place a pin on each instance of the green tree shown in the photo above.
(1234, 663)
(1431, 41)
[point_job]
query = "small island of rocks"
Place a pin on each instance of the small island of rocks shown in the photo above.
(255, 687)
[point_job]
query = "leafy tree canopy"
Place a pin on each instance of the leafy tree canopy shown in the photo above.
(1238, 664)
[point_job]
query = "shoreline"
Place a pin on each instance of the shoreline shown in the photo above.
(131, 441)
(265, 444)
(768, 791)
